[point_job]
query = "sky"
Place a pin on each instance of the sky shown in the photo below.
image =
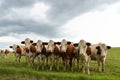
(92, 20)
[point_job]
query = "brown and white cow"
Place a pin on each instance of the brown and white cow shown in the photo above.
(1, 52)
(19, 51)
(67, 49)
(41, 53)
(99, 52)
(53, 49)
(84, 54)
(7, 53)
(31, 50)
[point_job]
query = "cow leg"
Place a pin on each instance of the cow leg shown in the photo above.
(26, 59)
(71, 67)
(5, 56)
(43, 61)
(19, 58)
(98, 61)
(64, 64)
(58, 62)
(33, 59)
(38, 61)
(103, 65)
(88, 64)
(83, 65)
(78, 63)
(51, 62)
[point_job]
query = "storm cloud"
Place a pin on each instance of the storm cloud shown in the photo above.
(15, 16)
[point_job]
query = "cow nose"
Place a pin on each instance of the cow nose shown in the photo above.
(48, 50)
(103, 56)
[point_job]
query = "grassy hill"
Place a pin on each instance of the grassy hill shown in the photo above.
(10, 70)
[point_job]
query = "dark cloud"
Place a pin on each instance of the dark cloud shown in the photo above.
(60, 12)
(64, 10)
(25, 26)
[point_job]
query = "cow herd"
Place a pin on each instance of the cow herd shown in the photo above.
(61, 55)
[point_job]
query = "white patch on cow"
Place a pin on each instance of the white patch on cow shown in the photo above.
(39, 46)
(82, 47)
(64, 45)
(50, 46)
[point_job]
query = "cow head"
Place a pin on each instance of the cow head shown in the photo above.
(50, 47)
(14, 47)
(7, 51)
(102, 49)
(27, 42)
(82, 47)
(39, 45)
(63, 45)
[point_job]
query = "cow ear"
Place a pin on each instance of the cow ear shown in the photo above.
(98, 47)
(88, 44)
(31, 41)
(23, 42)
(57, 43)
(45, 43)
(34, 44)
(108, 47)
(18, 46)
(10, 46)
(68, 42)
(75, 44)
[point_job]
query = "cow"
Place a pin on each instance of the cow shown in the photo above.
(53, 49)
(41, 53)
(84, 54)
(76, 55)
(1, 52)
(99, 52)
(19, 51)
(31, 50)
(67, 49)
(7, 53)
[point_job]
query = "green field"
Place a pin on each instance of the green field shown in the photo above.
(9, 70)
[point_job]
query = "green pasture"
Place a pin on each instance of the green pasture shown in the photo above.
(10, 70)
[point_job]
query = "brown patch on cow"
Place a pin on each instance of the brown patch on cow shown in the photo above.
(88, 51)
(44, 50)
(19, 51)
(56, 50)
(34, 44)
(7, 51)
(32, 48)
(70, 50)
(98, 50)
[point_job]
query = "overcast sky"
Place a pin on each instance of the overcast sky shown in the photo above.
(93, 20)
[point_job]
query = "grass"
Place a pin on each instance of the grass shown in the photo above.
(9, 70)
